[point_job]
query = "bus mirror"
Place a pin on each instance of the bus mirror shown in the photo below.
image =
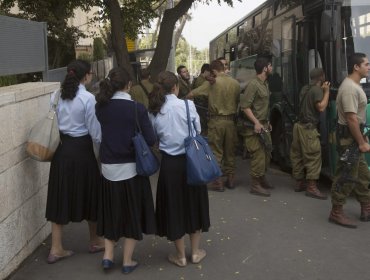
(329, 25)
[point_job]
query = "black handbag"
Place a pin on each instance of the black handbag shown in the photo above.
(146, 162)
(201, 164)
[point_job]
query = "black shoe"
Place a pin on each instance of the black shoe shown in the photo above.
(126, 269)
(107, 264)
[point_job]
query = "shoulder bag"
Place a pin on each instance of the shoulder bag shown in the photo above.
(201, 164)
(44, 137)
(146, 162)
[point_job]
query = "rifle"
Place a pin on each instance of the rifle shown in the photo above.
(349, 157)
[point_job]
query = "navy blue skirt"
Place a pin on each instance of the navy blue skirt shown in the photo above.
(126, 209)
(74, 182)
(180, 208)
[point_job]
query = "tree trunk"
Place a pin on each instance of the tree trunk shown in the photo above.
(179, 30)
(118, 38)
(162, 51)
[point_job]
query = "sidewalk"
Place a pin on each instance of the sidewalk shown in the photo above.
(286, 236)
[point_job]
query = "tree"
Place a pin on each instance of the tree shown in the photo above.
(170, 17)
(126, 19)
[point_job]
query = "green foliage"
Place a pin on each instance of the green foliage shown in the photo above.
(182, 57)
(99, 50)
(8, 80)
(136, 15)
(85, 56)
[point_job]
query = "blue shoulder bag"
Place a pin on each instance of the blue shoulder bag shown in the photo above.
(201, 164)
(146, 162)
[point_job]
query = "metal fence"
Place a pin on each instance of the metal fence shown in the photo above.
(23, 46)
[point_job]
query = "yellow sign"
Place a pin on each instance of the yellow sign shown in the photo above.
(130, 45)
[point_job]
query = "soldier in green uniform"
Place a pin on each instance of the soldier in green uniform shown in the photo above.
(205, 71)
(201, 101)
(352, 144)
(223, 99)
(184, 81)
(140, 92)
(305, 152)
(256, 130)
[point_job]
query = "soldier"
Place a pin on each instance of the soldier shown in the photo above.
(225, 64)
(305, 152)
(201, 101)
(256, 131)
(223, 99)
(184, 81)
(205, 71)
(352, 144)
(141, 91)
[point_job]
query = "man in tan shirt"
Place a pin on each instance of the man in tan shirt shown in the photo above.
(223, 99)
(351, 108)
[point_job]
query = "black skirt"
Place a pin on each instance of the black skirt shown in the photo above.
(126, 209)
(180, 208)
(74, 182)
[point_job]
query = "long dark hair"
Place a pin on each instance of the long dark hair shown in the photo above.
(166, 81)
(117, 79)
(76, 71)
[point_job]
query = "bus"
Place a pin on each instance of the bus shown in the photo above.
(300, 35)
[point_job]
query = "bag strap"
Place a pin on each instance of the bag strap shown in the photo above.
(137, 126)
(144, 89)
(188, 116)
(56, 99)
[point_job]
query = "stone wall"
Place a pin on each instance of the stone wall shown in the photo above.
(23, 181)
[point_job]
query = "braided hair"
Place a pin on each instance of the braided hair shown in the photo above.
(166, 81)
(76, 71)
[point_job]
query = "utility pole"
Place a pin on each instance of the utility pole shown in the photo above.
(171, 59)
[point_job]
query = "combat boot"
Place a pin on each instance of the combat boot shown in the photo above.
(313, 191)
(265, 184)
(300, 185)
(365, 212)
(337, 216)
(230, 182)
(217, 185)
(257, 189)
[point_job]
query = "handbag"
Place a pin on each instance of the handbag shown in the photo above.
(44, 137)
(146, 162)
(201, 164)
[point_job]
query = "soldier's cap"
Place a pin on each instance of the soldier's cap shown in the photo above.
(316, 73)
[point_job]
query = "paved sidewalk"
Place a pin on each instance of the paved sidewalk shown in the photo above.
(286, 236)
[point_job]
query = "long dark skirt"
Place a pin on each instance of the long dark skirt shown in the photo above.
(74, 182)
(126, 209)
(180, 208)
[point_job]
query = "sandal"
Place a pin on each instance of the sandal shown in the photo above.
(181, 262)
(197, 258)
(96, 249)
(52, 258)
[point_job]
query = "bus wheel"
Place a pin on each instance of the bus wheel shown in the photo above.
(281, 146)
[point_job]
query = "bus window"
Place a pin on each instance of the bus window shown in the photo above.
(257, 19)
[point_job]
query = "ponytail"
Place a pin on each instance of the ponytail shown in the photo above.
(76, 71)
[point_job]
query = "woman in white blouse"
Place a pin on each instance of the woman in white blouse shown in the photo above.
(180, 208)
(74, 179)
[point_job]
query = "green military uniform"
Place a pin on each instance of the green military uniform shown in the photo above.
(139, 95)
(256, 97)
(350, 98)
(223, 99)
(201, 103)
(305, 152)
(198, 81)
(184, 88)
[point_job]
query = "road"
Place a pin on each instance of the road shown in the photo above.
(284, 237)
